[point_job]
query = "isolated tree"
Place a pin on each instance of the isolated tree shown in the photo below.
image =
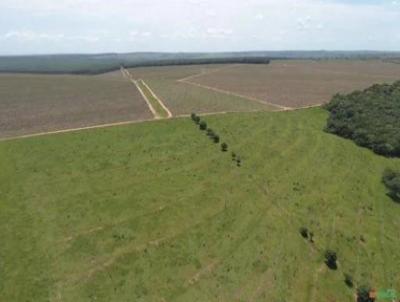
(363, 294)
(203, 125)
(224, 147)
(193, 116)
(330, 259)
(210, 132)
(196, 119)
(348, 279)
(304, 232)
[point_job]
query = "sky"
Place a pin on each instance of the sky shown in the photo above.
(95, 26)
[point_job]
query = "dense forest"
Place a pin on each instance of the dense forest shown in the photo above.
(87, 64)
(371, 118)
(100, 63)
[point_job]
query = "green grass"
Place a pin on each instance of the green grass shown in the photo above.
(160, 111)
(156, 212)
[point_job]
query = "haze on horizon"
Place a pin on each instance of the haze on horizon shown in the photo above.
(88, 26)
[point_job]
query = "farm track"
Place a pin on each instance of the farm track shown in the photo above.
(157, 98)
(137, 83)
(186, 80)
(237, 95)
(127, 75)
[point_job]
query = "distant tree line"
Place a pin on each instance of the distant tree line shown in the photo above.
(371, 118)
(91, 65)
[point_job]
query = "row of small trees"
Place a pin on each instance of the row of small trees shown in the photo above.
(391, 179)
(331, 258)
(214, 137)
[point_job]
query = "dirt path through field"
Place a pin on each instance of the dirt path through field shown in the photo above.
(127, 75)
(206, 71)
(238, 95)
(157, 98)
(186, 80)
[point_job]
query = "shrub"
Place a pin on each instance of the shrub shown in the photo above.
(330, 259)
(238, 161)
(193, 116)
(304, 232)
(196, 119)
(215, 138)
(210, 132)
(363, 294)
(233, 155)
(224, 147)
(391, 179)
(348, 279)
(203, 125)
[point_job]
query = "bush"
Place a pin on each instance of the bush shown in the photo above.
(216, 139)
(304, 232)
(363, 294)
(210, 132)
(193, 116)
(233, 155)
(348, 279)
(224, 147)
(330, 259)
(203, 125)
(370, 118)
(238, 161)
(391, 179)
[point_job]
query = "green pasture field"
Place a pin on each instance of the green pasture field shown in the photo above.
(156, 212)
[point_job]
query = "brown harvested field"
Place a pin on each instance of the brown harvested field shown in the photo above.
(38, 103)
(182, 98)
(300, 83)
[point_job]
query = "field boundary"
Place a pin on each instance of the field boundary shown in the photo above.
(124, 123)
(280, 107)
(205, 72)
(186, 80)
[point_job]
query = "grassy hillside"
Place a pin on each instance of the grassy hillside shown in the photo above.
(156, 212)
